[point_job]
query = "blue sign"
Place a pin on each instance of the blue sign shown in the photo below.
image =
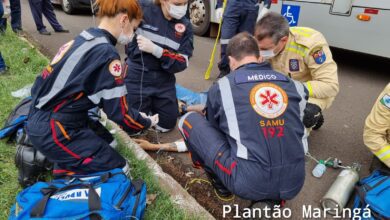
(291, 13)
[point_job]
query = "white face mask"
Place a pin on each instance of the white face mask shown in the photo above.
(267, 54)
(177, 12)
(125, 39)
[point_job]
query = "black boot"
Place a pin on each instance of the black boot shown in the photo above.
(31, 165)
(220, 189)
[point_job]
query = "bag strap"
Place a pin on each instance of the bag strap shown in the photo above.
(94, 202)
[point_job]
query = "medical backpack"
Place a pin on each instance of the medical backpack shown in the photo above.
(373, 192)
(107, 195)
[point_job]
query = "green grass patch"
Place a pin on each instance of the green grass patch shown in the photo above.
(24, 64)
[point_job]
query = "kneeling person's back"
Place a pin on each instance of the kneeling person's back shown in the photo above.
(260, 112)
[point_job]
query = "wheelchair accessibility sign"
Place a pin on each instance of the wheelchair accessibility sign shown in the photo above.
(291, 13)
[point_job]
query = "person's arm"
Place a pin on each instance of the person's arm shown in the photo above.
(177, 146)
(377, 127)
(323, 69)
(171, 61)
(106, 89)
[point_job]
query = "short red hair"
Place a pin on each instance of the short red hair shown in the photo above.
(111, 8)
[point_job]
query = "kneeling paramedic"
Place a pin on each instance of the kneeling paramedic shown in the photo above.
(304, 55)
(85, 73)
(162, 48)
(251, 141)
(377, 130)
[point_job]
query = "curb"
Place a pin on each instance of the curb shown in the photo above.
(178, 194)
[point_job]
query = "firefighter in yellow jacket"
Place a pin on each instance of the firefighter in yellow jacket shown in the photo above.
(304, 55)
(377, 128)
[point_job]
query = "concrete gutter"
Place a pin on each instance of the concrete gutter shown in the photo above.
(177, 193)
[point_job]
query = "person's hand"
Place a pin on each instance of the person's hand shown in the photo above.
(196, 108)
(312, 115)
(219, 14)
(153, 118)
(148, 46)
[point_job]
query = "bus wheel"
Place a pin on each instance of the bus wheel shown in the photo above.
(67, 6)
(200, 16)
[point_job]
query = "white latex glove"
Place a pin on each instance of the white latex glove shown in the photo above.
(219, 14)
(153, 118)
(148, 46)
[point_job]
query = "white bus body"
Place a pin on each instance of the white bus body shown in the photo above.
(357, 25)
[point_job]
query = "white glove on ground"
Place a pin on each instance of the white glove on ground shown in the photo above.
(148, 46)
(219, 14)
(153, 118)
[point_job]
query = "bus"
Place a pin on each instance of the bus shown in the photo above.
(356, 25)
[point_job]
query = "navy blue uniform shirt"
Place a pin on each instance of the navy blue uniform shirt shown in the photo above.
(80, 78)
(174, 36)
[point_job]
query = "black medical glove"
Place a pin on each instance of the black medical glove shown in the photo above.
(313, 115)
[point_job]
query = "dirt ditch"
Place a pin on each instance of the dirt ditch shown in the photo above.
(193, 180)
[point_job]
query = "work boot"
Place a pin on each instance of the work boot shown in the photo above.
(220, 189)
(44, 32)
(62, 31)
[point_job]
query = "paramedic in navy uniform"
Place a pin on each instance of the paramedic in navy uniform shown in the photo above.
(163, 45)
(85, 73)
(251, 141)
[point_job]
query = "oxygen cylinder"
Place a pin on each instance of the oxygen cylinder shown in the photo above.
(339, 193)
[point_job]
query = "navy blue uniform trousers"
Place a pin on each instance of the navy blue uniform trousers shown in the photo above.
(39, 7)
(210, 149)
(236, 19)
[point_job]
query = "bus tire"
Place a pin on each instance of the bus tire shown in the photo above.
(200, 16)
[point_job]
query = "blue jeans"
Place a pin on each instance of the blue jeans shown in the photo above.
(16, 17)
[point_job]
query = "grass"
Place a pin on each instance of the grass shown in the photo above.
(16, 52)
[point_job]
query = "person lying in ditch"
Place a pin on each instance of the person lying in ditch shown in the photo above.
(251, 139)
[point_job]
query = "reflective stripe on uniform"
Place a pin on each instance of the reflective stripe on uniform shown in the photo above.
(309, 88)
(181, 123)
(224, 41)
(297, 48)
(231, 117)
(306, 32)
(158, 39)
(383, 153)
(87, 36)
(108, 94)
(185, 57)
(68, 68)
(302, 105)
